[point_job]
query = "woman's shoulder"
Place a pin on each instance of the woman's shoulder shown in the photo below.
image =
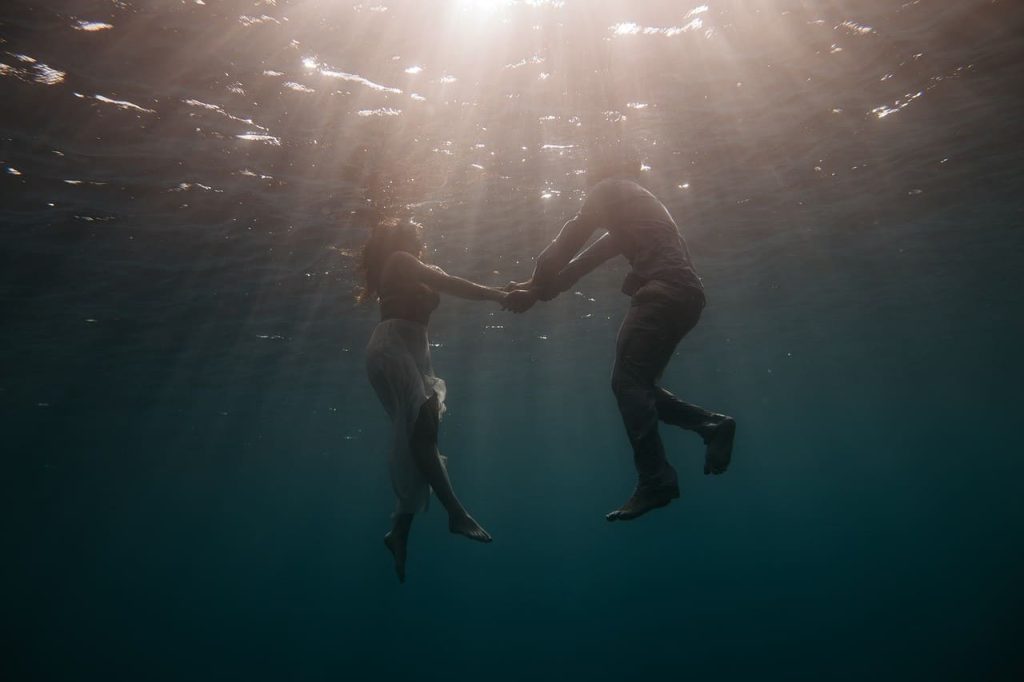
(401, 259)
(402, 269)
(400, 263)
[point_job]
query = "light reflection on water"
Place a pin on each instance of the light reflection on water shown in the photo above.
(91, 26)
(322, 69)
(123, 104)
(410, 106)
(32, 70)
(260, 137)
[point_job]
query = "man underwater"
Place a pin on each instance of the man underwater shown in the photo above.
(667, 298)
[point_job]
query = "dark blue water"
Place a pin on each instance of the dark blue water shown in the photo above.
(194, 479)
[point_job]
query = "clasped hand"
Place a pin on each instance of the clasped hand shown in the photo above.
(520, 296)
(518, 300)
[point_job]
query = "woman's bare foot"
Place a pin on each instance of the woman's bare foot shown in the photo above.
(464, 524)
(396, 544)
(396, 540)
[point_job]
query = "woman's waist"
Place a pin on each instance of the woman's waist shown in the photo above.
(391, 316)
(414, 307)
(397, 331)
(402, 325)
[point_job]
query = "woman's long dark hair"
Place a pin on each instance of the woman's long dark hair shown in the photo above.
(386, 237)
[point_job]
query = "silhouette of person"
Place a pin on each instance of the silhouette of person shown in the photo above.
(399, 368)
(667, 300)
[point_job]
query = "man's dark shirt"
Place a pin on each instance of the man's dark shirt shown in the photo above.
(644, 231)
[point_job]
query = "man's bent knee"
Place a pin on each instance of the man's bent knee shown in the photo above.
(624, 385)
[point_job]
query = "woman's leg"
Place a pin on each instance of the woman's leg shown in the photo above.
(397, 539)
(428, 459)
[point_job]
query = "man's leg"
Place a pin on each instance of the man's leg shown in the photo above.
(671, 409)
(647, 339)
(674, 411)
(717, 430)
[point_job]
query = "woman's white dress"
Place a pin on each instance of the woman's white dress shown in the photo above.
(398, 363)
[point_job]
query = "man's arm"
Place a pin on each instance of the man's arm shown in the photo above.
(558, 253)
(597, 253)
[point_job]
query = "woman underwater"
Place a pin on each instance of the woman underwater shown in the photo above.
(398, 363)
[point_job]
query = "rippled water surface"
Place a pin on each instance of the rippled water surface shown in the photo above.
(195, 481)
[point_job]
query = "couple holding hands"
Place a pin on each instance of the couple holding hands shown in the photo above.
(666, 302)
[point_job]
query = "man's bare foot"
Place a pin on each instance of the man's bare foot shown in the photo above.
(643, 501)
(396, 542)
(466, 525)
(719, 442)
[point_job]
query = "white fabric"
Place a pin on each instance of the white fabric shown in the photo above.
(398, 363)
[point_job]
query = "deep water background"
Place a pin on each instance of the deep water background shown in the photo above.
(194, 481)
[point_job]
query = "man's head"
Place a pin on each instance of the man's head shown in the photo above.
(612, 159)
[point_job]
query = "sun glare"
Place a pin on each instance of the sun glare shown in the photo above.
(483, 8)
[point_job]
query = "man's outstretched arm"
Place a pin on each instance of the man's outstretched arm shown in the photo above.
(558, 253)
(601, 251)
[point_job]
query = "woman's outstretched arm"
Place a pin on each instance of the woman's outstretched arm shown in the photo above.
(462, 288)
(441, 281)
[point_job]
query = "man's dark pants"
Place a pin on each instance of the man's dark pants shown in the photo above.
(655, 324)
